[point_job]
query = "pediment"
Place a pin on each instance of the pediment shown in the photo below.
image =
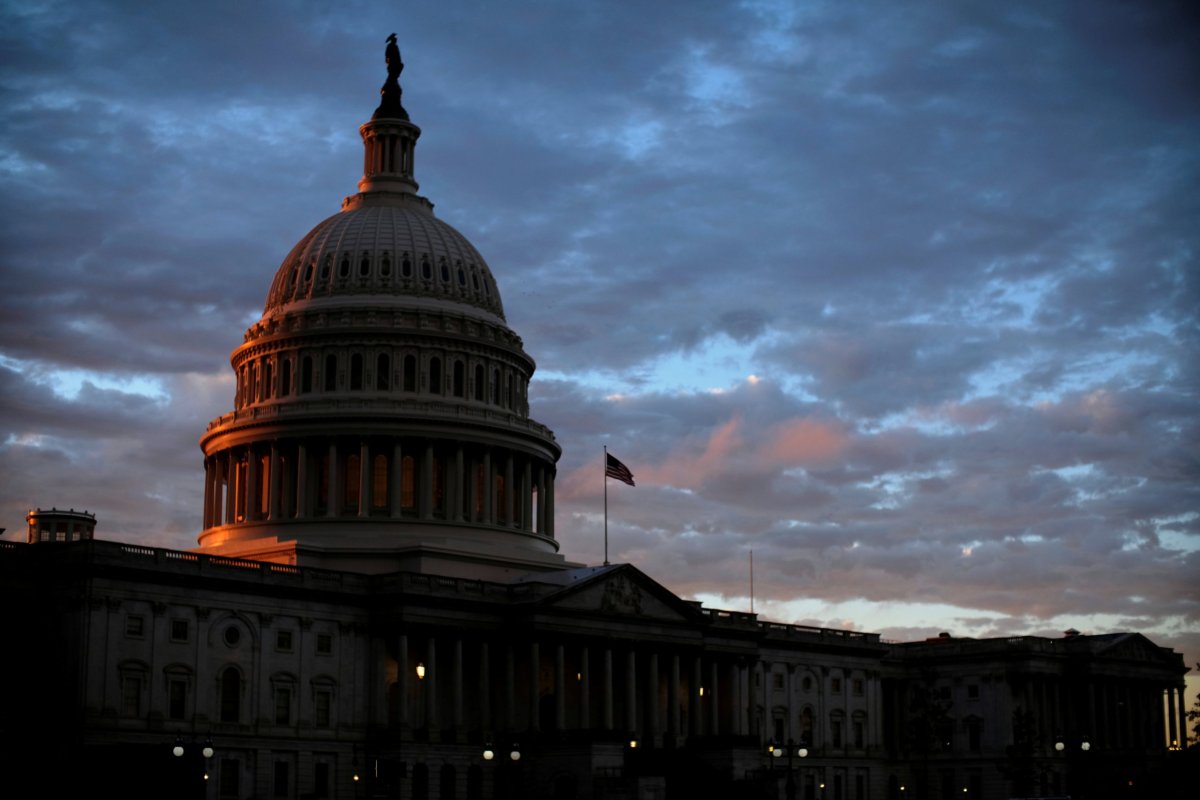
(623, 591)
(1131, 647)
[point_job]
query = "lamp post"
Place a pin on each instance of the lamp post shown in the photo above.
(180, 749)
(1063, 746)
(775, 751)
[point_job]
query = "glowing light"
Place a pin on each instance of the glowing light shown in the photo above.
(420, 671)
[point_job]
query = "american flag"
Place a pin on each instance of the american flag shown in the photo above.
(615, 469)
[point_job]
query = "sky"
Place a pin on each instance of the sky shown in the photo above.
(902, 297)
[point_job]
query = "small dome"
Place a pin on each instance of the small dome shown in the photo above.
(397, 249)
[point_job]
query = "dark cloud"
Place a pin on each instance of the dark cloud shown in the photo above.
(955, 247)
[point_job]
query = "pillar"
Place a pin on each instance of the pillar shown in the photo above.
(526, 520)
(714, 726)
(695, 700)
(631, 706)
(560, 688)
(485, 683)
(673, 701)
(250, 510)
(364, 480)
(608, 689)
(396, 478)
(459, 731)
(333, 497)
(489, 482)
(208, 491)
(585, 689)
(430, 687)
(548, 528)
(509, 510)
(402, 667)
(651, 695)
(230, 488)
(425, 485)
(1183, 737)
(457, 484)
(274, 486)
(302, 507)
(535, 686)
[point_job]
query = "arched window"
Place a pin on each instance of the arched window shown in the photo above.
(410, 373)
(405, 267)
(383, 372)
(353, 467)
(479, 382)
(306, 375)
(285, 377)
(344, 268)
(267, 375)
(459, 379)
(253, 387)
(806, 727)
(426, 270)
(435, 375)
(356, 372)
(231, 695)
(385, 266)
(330, 372)
(445, 271)
(379, 482)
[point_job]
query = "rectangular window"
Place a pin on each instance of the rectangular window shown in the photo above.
(321, 779)
(857, 687)
(777, 680)
(858, 734)
(179, 630)
(283, 705)
(177, 698)
(281, 783)
(835, 731)
(974, 737)
(972, 691)
(835, 685)
(324, 644)
(322, 701)
(283, 641)
(131, 696)
(229, 785)
(135, 626)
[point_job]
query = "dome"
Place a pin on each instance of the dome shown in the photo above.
(389, 250)
(380, 419)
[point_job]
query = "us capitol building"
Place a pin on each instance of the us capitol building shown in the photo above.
(378, 606)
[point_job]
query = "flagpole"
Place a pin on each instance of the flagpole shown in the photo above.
(606, 505)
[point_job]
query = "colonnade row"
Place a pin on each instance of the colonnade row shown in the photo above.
(387, 478)
(445, 686)
(1115, 713)
(381, 369)
(1177, 726)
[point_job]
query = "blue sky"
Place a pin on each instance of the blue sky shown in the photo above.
(903, 297)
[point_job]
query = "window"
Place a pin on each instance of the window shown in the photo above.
(131, 695)
(231, 695)
(321, 779)
(974, 734)
(283, 641)
(857, 686)
(280, 785)
(835, 685)
(479, 382)
(972, 691)
(407, 483)
(324, 644)
(807, 683)
(379, 482)
(777, 680)
(232, 635)
(435, 375)
(330, 372)
(306, 375)
(356, 372)
(322, 707)
(777, 728)
(859, 734)
(285, 378)
(459, 379)
(135, 626)
(835, 730)
(806, 727)
(176, 698)
(383, 369)
(410, 373)
(229, 783)
(283, 705)
(179, 630)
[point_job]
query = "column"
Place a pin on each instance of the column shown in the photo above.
(526, 522)
(535, 686)
(509, 510)
(560, 688)
(585, 689)
(485, 683)
(673, 702)
(273, 488)
(1183, 736)
(459, 731)
(540, 515)
(489, 505)
(696, 701)
(333, 496)
(396, 478)
(430, 687)
(548, 529)
(510, 685)
(631, 706)
(364, 480)
(302, 507)
(250, 511)
(457, 485)
(402, 683)
(714, 725)
(230, 488)
(208, 492)
(608, 688)
(651, 695)
(425, 485)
